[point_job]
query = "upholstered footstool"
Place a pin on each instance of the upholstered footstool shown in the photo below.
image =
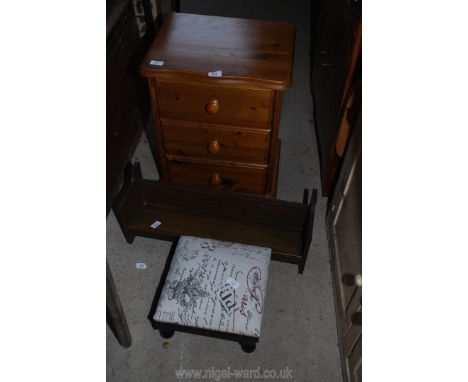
(214, 288)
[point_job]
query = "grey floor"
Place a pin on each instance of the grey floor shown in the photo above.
(299, 329)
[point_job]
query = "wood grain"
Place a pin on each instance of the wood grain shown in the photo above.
(237, 177)
(219, 131)
(234, 144)
(283, 226)
(237, 106)
(253, 52)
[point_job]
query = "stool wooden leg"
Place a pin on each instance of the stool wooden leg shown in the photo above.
(301, 267)
(166, 333)
(248, 347)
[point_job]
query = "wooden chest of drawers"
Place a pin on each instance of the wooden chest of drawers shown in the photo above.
(219, 130)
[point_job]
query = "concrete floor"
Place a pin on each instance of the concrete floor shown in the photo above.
(299, 329)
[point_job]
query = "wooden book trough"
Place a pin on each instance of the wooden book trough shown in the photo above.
(285, 227)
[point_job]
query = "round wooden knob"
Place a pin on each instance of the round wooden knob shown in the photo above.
(213, 106)
(214, 147)
(215, 180)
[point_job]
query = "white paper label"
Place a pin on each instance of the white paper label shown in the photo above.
(140, 266)
(217, 73)
(156, 224)
(234, 283)
(156, 63)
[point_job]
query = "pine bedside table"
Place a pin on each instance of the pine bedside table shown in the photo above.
(216, 86)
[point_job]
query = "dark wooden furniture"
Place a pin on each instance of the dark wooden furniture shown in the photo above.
(336, 69)
(127, 108)
(127, 96)
(219, 132)
(285, 227)
(344, 226)
(115, 315)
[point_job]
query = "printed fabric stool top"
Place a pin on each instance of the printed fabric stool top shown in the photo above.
(215, 285)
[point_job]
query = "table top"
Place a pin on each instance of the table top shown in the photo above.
(247, 52)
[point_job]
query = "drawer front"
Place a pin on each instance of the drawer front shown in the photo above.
(224, 177)
(214, 104)
(215, 142)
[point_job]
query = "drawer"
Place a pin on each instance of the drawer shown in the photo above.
(215, 142)
(219, 176)
(214, 104)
